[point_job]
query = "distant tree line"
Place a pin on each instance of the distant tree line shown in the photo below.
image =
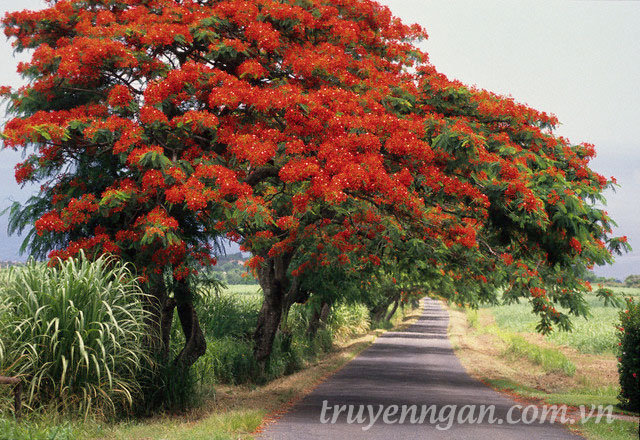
(630, 281)
(6, 264)
(231, 270)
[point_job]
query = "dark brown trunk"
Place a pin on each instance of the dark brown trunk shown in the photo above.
(314, 323)
(318, 319)
(17, 392)
(324, 312)
(160, 308)
(273, 280)
(295, 295)
(379, 311)
(268, 319)
(393, 310)
(17, 400)
(166, 320)
(195, 344)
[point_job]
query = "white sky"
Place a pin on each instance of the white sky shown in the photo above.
(577, 59)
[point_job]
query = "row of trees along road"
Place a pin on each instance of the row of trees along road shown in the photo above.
(312, 132)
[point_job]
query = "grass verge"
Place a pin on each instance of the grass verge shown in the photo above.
(531, 368)
(225, 411)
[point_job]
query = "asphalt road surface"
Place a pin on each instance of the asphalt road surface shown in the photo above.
(410, 385)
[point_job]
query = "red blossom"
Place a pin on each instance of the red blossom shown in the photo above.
(120, 96)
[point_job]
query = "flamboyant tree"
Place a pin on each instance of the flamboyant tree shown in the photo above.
(312, 132)
(160, 124)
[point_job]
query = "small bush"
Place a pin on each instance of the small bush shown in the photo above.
(228, 315)
(168, 387)
(629, 356)
(291, 351)
(472, 317)
(348, 320)
(74, 333)
(323, 341)
(228, 360)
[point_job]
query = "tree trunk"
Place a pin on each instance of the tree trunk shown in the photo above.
(378, 312)
(318, 319)
(166, 320)
(160, 307)
(195, 343)
(295, 295)
(395, 307)
(273, 280)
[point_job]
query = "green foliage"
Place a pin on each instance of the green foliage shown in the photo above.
(167, 387)
(472, 318)
(608, 297)
(228, 360)
(229, 315)
(348, 320)
(382, 324)
(74, 333)
(629, 355)
(230, 319)
(323, 342)
(12, 430)
(288, 356)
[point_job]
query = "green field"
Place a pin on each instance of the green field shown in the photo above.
(595, 334)
(595, 339)
(242, 289)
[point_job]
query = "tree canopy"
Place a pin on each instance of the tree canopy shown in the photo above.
(312, 132)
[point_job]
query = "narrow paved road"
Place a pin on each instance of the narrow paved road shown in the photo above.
(412, 367)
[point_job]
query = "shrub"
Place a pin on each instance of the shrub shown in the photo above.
(290, 353)
(228, 360)
(629, 356)
(229, 321)
(229, 315)
(323, 341)
(74, 333)
(347, 320)
(168, 387)
(472, 317)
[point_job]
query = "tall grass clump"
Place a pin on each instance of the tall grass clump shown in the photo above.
(229, 315)
(228, 360)
(551, 360)
(348, 320)
(74, 333)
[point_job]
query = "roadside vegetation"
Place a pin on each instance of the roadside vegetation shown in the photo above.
(499, 346)
(75, 334)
